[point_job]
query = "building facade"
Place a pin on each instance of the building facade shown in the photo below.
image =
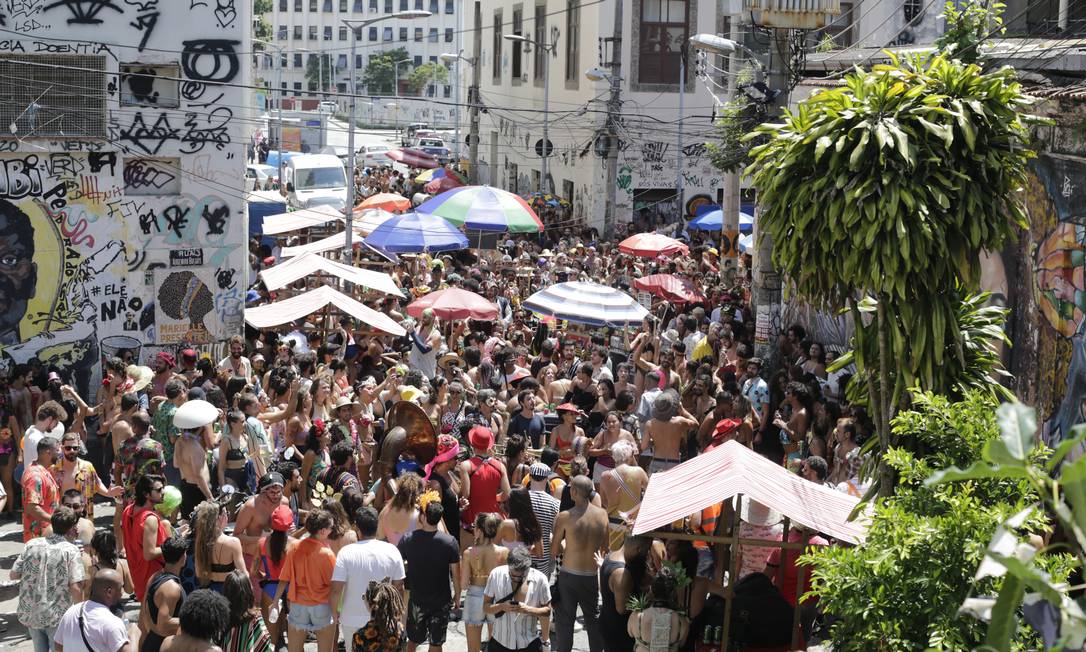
(122, 224)
(303, 30)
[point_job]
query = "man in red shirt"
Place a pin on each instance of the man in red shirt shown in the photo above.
(41, 496)
(482, 479)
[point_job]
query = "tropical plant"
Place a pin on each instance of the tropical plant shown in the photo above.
(262, 29)
(380, 73)
(1055, 489)
(883, 193)
(320, 68)
(903, 587)
(735, 119)
(968, 26)
(428, 73)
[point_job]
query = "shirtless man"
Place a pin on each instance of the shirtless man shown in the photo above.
(190, 458)
(119, 432)
(665, 433)
(254, 517)
(579, 533)
(164, 597)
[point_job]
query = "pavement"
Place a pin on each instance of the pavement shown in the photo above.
(13, 636)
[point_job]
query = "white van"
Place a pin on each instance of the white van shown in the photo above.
(315, 180)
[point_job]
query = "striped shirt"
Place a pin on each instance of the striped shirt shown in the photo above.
(515, 631)
(545, 507)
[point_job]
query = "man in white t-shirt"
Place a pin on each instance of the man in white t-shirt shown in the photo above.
(100, 631)
(236, 363)
(356, 565)
(49, 423)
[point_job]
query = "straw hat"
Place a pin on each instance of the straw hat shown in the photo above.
(140, 376)
(665, 406)
(195, 414)
(345, 401)
(450, 358)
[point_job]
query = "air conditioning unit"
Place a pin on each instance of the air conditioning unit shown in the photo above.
(793, 14)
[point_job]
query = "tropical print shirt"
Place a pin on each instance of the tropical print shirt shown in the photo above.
(39, 488)
(371, 639)
(48, 565)
(164, 429)
(137, 457)
(84, 478)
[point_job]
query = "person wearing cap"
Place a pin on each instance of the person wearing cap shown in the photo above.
(484, 481)
(266, 568)
(164, 597)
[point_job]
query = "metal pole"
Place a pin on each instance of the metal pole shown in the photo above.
(546, 113)
(320, 77)
(279, 114)
(613, 107)
(473, 96)
(679, 150)
(730, 204)
(456, 89)
(349, 215)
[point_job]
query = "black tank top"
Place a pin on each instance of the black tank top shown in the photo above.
(152, 642)
(612, 623)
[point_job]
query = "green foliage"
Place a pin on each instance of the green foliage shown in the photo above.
(735, 119)
(969, 26)
(380, 74)
(902, 588)
(826, 44)
(313, 70)
(262, 29)
(428, 73)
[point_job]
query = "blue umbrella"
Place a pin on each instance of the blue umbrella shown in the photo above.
(713, 221)
(416, 233)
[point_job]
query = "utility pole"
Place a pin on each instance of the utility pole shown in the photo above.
(473, 95)
(614, 107)
(730, 204)
(679, 150)
(456, 85)
(348, 245)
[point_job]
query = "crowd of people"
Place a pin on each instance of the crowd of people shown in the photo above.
(253, 507)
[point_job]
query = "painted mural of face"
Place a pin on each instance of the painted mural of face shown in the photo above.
(18, 272)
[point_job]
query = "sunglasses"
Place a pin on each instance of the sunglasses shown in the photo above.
(71, 448)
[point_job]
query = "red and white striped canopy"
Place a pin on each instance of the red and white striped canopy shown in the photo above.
(733, 469)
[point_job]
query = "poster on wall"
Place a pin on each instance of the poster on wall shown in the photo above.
(292, 139)
(185, 306)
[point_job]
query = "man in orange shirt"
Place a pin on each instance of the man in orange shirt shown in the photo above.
(307, 570)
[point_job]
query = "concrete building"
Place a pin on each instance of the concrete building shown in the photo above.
(650, 160)
(121, 201)
(306, 29)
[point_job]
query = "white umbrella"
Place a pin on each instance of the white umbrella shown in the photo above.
(287, 272)
(303, 219)
(587, 303)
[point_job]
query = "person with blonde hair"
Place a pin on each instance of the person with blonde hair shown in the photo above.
(479, 560)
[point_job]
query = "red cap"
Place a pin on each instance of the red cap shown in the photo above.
(481, 437)
(189, 354)
(282, 519)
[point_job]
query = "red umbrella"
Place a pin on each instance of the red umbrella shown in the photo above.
(441, 184)
(413, 158)
(652, 245)
(387, 201)
(454, 303)
(670, 288)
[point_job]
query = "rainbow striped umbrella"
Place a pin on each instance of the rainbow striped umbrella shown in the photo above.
(484, 209)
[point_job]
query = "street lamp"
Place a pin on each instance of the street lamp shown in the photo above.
(455, 58)
(356, 26)
(279, 101)
(396, 74)
(547, 49)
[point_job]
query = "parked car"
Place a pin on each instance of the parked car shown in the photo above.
(371, 156)
(434, 147)
(331, 108)
(315, 180)
(259, 173)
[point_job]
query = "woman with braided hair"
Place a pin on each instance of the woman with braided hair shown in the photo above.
(384, 631)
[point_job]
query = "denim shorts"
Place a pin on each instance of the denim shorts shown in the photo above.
(706, 562)
(310, 617)
(473, 606)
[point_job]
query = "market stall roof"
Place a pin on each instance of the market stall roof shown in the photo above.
(734, 469)
(303, 305)
(291, 270)
(303, 219)
(329, 243)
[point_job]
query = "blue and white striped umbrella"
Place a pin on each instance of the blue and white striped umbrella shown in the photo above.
(587, 303)
(714, 221)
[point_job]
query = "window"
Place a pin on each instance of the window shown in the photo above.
(448, 35)
(284, 33)
(283, 61)
(297, 32)
(341, 62)
(450, 6)
(388, 6)
(418, 4)
(663, 32)
(297, 86)
(573, 38)
(310, 58)
(403, 5)
(341, 88)
(496, 64)
(433, 59)
(150, 85)
(403, 33)
(297, 60)
(517, 45)
(327, 6)
(343, 33)
(357, 7)
(312, 32)
(328, 33)
(433, 6)
(342, 6)
(417, 60)
(358, 62)
(373, 5)
(433, 35)
(539, 55)
(373, 33)
(418, 35)
(284, 5)
(448, 91)
(313, 5)
(297, 5)
(386, 34)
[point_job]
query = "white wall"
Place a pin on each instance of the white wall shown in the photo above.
(139, 237)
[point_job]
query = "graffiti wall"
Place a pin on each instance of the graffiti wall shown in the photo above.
(647, 179)
(130, 235)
